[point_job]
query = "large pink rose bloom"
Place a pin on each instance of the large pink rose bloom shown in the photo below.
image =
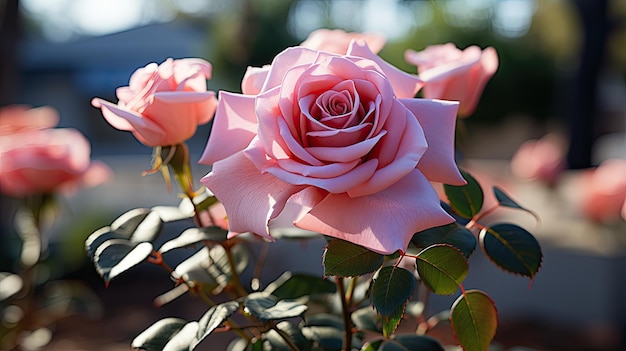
(453, 74)
(163, 104)
(334, 144)
(47, 161)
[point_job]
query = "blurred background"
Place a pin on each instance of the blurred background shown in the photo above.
(562, 69)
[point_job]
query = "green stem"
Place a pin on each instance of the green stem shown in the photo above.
(347, 324)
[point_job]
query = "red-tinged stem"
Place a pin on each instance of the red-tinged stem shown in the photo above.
(347, 324)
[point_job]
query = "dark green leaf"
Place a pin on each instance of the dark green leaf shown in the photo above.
(116, 256)
(505, 200)
(193, 236)
(157, 335)
(474, 320)
(391, 322)
(127, 223)
(391, 288)
(171, 213)
(452, 234)
(95, 239)
(265, 307)
(212, 319)
(466, 200)
(418, 342)
(442, 268)
(512, 248)
(325, 319)
(291, 286)
(366, 318)
(345, 259)
(10, 284)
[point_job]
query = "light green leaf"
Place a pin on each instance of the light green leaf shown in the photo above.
(442, 268)
(265, 307)
(212, 319)
(116, 256)
(193, 236)
(157, 335)
(474, 320)
(391, 321)
(10, 284)
(512, 248)
(466, 200)
(345, 259)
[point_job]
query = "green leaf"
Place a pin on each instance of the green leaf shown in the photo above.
(391, 322)
(182, 340)
(474, 320)
(391, 288)
(371, 345)
(344, 259)
(366, 318)
(266, 307)
(452, 234)
(116, 256)
(291, 286)
(10, 284)
(466, 200)
(506, 201)
(212, 319)
(442, 268)
(210, 266)
(157, 335)
(512, 248)
(193, 236)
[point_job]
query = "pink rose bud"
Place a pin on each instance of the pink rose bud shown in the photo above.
(20, 118)
(603, 191)
(453, 74)
(542, 160)
(163, 104)
(336, 144)
(47, 161)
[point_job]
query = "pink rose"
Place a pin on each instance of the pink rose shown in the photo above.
(20, 118)
(163, 104)
(452, 74)
(332, 40)
(603, 191)
(335, 144)
(542, 159)
(46, 161)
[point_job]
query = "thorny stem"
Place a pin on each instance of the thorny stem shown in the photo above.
(347, 325)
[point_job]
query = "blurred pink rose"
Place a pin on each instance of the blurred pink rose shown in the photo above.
(335, 144)
(603, 191)
(453, 74)
(542, 159)
(46, 161)
(332, 40)
(338, 41)
(20, 118)
(163, 104)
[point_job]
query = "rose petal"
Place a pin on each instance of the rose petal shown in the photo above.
(122, 119)
(233, 128)
(383, 222)
(253, 80)
(258, 199)
(438, 120)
